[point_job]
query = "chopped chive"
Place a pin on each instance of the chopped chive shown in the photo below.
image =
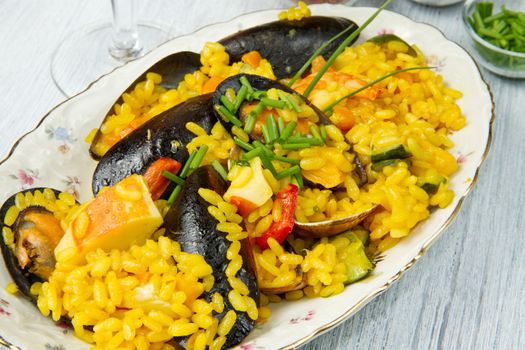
(186, 168)
(269, 102)
(295, 146)
(288, 131)
(266, 134)
(288, 172)
(242, 144)
(244, 81)
(290, 102)
(317, 53)
(267, 163)
(364, 87)
(312, 141)
(172, 177)
(250, 123)
(258, 109)
(259, 94)
(219, 169)
(253, 153)
(280, 124)
(315, 132)
(297, 180)
(272, 128)
(241, 96)
(227, 103)
(199, 156)
(323, 132)
(286, 160)
(264, 147)
(341, 47)
(228, 116)
(174, 195)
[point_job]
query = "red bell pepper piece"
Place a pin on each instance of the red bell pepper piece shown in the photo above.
(157, 183)
(281, 229)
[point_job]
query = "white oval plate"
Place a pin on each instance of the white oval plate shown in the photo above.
(55, 155)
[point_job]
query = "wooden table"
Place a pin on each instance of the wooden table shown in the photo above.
(465, 293)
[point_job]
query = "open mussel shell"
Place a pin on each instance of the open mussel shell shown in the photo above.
(330, 228)
(287, 45)
(172, 68)
(299, 283)
(31, 258)
(189, 223)
(165, 135)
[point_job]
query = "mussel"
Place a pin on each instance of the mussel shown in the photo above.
(172, 68)
(287, 45)
(330, 228)
(189, 223)
(163, 136)
(29, 252)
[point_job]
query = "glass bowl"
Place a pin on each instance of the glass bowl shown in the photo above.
(499, 61)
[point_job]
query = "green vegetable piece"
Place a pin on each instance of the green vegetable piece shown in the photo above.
(357, 263)
(396, 152)
(388, 162)
(220, 169)
(172, 177)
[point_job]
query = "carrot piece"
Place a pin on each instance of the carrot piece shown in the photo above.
(244, 206)
(211, 85)
(157, 183)
(253, 58)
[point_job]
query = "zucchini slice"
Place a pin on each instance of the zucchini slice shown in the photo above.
(396, 152)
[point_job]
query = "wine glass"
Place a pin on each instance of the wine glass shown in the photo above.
(89, 53)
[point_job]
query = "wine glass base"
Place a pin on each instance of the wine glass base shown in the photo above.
(85, 55)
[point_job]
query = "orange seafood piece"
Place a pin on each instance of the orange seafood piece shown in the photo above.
(121, 216)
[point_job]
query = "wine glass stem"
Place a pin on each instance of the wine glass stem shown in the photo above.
(125, 43)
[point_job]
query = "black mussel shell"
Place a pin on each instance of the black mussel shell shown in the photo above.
(165, 135)
(287, 45)
(23, 278)
(172, 68)
(189, 223)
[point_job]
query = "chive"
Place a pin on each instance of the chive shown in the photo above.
(250, 123)
(288, 131)
(265, 148)
(199, 156)
(297, 180)
(228, 116)
(252, 154)
(270, 102)
(244, 81)
(341, 47)
(323, 132)
(489, 33)
(288, 172)
(258, 109)
(267, 163)
(364, 87)
(172, 177)
(315, 133)
(259, 94)
(317, 53)
(286, 160)
(266, 134)
(239, 99)
(302, 139)
(290, 102)
(174, 195)
(280, 124)
(272, 128)
(186, 168)
(295, 146)
(244, 145)
(219, 169)
(227, 103)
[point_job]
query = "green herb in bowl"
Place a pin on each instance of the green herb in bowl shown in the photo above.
(498, 36)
